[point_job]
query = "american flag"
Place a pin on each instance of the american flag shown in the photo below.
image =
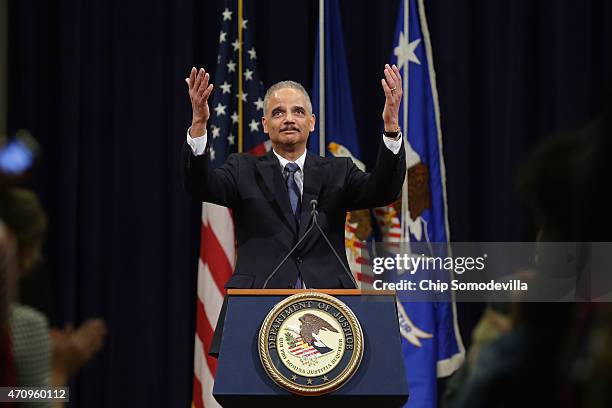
(236, 83)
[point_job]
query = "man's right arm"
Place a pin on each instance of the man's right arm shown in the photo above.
(197, 144)
(218, 186)
(206, 183)
(199, 92)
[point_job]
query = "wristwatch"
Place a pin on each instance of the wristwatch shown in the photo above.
(393, 135)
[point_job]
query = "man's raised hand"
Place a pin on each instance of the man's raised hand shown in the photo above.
(392, 87)
(199, 91)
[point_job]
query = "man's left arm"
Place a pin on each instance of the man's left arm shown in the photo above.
(383, 185)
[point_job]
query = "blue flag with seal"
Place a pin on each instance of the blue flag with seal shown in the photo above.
(431, 341)
(336, 130)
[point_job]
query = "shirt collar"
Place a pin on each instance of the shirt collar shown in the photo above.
(283, 162)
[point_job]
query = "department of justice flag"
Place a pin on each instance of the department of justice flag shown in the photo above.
(431, 341)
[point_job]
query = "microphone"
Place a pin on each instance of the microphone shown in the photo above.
(313, 208)
(313, 222)
(311, 226)
(314, 214)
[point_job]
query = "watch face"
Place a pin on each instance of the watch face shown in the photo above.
(393, 135)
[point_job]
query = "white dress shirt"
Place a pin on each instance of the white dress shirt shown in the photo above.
(198, 145)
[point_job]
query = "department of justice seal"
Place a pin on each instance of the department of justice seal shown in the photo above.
(310, 343)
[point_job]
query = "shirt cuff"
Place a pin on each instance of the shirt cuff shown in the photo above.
(197, 144)
(393, 145)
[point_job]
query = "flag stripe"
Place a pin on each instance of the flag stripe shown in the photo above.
(205, 334)
(213, 263)
(197, 393)
(309, 353)
(300, 347)
(208, 294)
(258, 150)
(219, 219)
(203, 379)
(212, 254)
(306, 352)
(365, 278)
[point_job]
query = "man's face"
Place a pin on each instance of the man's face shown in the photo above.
(287, 120)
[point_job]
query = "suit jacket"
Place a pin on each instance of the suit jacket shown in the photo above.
(266, 229)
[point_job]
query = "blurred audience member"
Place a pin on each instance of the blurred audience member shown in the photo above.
(495, 322)
(42, 357)
(556, 354)
(8, 274)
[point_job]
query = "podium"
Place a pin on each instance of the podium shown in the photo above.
(241, 379)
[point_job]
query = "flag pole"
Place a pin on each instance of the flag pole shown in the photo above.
(240, 90)
(404, 234)
(321, 117)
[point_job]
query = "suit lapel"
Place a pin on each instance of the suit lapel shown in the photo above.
(270, 171)
(313, 180)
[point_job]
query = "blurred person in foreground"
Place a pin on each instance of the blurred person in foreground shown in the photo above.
(8, 275)
(557, 354)
(42, 357)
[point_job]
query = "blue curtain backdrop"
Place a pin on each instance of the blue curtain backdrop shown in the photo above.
(100, 84)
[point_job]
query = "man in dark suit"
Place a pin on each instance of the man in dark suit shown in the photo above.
(270, 195)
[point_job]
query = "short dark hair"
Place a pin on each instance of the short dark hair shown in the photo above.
(287, 84)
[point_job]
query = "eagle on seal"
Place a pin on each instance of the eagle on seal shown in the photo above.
(310, 327)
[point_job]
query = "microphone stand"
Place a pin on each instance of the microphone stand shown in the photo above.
(314, 222)
(315, 213)
(292, 249)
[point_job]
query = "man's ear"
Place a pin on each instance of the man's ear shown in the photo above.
(264, 123)
(313, 120)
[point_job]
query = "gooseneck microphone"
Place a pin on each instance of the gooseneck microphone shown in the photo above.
(314, 214)
(313, 222)
(281, 263)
